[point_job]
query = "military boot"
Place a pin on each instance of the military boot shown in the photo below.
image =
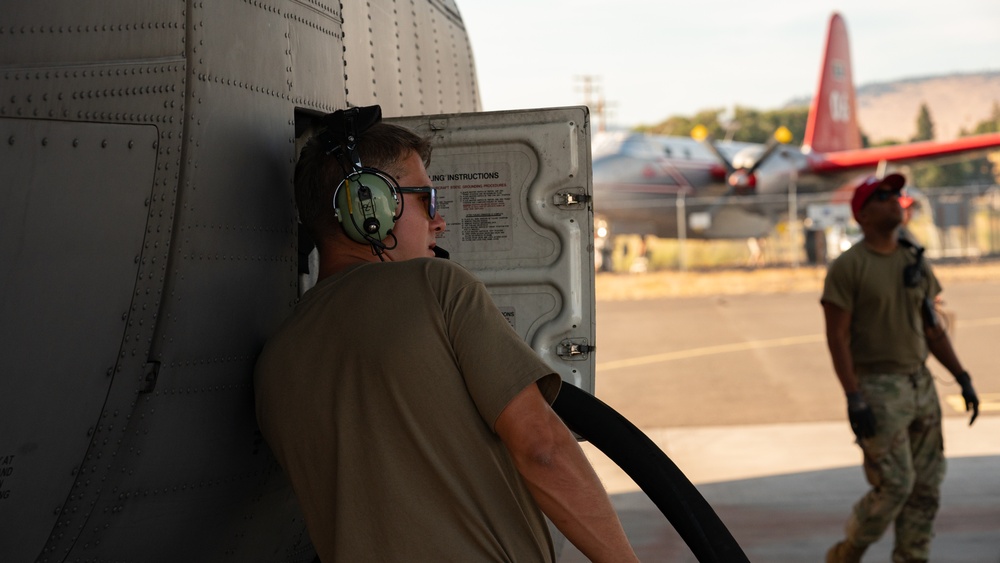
(845, 552)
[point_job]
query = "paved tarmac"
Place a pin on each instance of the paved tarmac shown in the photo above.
(785, 490)
(739, 392)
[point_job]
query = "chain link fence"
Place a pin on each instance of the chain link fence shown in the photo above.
(960, 223)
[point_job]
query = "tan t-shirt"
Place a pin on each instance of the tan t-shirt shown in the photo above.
(887, 327)
(379, 395)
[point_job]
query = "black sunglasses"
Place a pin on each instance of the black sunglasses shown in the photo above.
(431, 201)
(885, 195)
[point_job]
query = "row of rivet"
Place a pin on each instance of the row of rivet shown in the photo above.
(330, 10)
(338, 33)
(142, 26)
(105, 93)
(93, 73)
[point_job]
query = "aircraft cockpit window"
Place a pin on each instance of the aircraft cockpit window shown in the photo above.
(639, 147)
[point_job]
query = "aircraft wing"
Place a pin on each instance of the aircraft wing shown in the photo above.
(843, 161)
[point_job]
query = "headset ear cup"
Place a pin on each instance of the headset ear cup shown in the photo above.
(366, 205)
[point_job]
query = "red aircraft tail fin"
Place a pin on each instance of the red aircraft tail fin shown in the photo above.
(833, 123)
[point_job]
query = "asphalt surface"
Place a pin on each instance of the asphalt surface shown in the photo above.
(758, 358)
(740, 393)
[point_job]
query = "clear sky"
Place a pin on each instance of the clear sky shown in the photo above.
(657, 58)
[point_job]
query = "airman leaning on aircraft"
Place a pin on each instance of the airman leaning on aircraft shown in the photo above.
(413, 422)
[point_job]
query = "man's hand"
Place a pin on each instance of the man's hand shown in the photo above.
(861, 416)
(969, 394)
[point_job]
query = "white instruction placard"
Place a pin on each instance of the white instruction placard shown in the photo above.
(477, 206)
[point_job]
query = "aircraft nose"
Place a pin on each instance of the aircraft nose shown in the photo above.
(743, 181)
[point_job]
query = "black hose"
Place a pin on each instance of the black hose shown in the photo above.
(666, 485)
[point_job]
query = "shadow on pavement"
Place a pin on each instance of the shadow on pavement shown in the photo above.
(795, 517)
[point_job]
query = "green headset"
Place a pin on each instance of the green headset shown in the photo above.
(366, 201)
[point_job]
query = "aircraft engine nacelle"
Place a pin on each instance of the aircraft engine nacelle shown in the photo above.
(777, 174)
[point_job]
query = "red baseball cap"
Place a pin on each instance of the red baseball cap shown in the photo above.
(868, 186)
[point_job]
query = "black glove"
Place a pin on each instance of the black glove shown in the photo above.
(861, 416)
(969, 394)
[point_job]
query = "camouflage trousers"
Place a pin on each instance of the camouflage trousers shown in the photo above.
(904, 463)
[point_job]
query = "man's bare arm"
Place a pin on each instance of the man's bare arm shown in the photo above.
(838, 340)
(560, 477)
(940, 346)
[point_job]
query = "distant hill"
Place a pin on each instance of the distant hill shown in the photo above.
(888, 110)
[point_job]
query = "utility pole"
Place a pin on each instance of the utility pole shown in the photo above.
(593, 97)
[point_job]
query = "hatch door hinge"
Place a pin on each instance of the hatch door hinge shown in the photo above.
(574, 349)
(570, 199)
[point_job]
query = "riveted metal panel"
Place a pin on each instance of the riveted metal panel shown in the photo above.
(223, 57)
(235, 218)
(170, 466)
(514, 190)
(144, 94)
(190, 441)
(452, 59)
(386, 48)
(133, 92)
(463, 69)
(44, 33)
(425, 34)
(411, 54)
(442, 59)
(71, 250)
(360, 36)
(412, 57)
(316, 47)
(224, 476)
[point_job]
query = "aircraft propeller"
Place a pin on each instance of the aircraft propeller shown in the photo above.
(742, 180)
(700, 134)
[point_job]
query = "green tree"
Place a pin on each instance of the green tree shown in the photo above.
(747, 124)
(967, 171)
(990, 165)
(991, 125)
(680, 126)
(925, 127)
(754, 126)
(865, 141)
